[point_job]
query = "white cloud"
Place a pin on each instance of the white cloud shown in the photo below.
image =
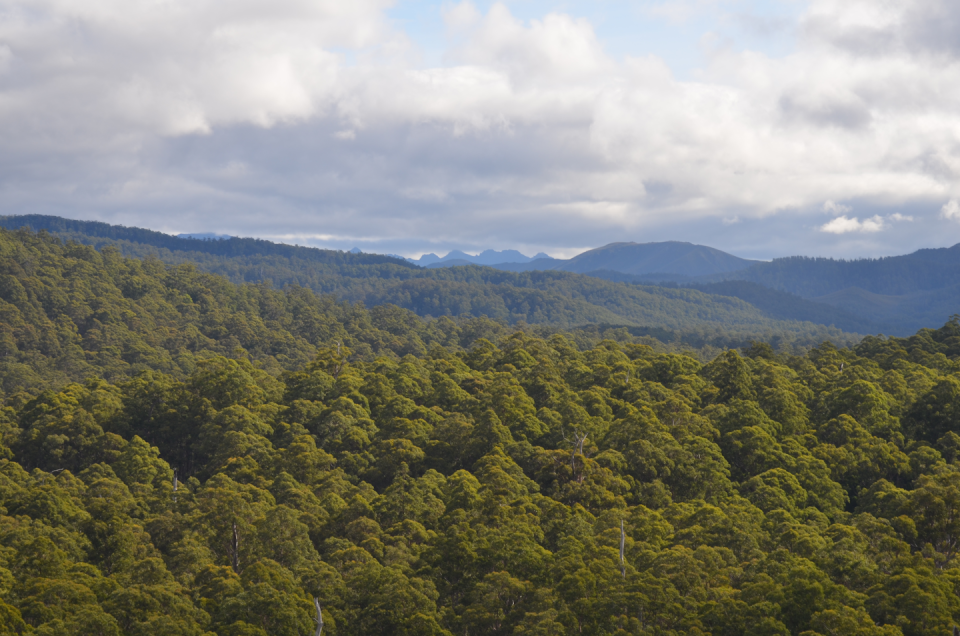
(557, 48)
(178, 67)
(137, 105)
(836, 208)
(896, 216)
(951, 210)
(845, 225)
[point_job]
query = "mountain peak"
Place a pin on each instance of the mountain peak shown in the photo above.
(486, 257)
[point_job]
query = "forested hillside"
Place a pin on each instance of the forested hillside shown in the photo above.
(241, 453)
(894, 275)
(558, 299)
(903, 293)
(785, 306)
(895, 295)
(69, 312)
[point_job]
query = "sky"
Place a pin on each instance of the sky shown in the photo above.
(764, 128)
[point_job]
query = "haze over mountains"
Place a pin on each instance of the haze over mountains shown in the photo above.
(894, 295)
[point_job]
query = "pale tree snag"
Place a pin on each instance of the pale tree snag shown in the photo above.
(319, 619)
(175, 484)
(235, 552)
(623, 544)
(579, 439)
(340, 362)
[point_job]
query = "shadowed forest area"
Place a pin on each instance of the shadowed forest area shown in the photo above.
(184, 455)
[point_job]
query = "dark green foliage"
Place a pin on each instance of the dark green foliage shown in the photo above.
(455, 477)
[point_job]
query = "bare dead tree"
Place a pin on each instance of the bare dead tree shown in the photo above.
(319, 619)
(340, 361)
(623, 545)
(235, 552)
(175, 484)
(580, 438)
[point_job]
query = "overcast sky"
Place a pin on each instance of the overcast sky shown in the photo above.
(761, 127)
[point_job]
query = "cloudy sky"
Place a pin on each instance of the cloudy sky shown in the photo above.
(762, 127)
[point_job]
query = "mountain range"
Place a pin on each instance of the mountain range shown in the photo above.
(670, 258)
(897, 294)
(671, 285)
(487, 257)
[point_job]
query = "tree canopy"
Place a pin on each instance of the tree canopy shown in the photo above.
(195, 474)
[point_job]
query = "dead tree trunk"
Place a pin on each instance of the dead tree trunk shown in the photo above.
(235, 552)
(319, 619)
(623, 545)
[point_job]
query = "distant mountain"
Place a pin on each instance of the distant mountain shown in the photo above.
(897, 295)
(925, 269)
(906, 292)
(669, 258)
(486, 257)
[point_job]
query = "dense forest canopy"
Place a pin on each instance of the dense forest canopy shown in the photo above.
(211, 458)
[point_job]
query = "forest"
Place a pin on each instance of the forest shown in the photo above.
(559, 299)
(183, 455)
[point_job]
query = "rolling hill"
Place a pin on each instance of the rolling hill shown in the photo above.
(555, 298)
(896, 295)
(669, 257)
(906, 293)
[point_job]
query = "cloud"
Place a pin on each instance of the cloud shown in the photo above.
(178, 67)
(896, 216)
(836, 208)
(528, 134)
(845, 225)
(555, 49)
(951, 210)
(885, 29)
